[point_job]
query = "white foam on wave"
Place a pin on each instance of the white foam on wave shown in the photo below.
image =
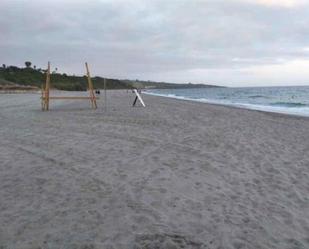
(300, 111)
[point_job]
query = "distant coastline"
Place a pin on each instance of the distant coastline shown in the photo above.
(31, 76)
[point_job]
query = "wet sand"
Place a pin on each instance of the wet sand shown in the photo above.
(176, 174)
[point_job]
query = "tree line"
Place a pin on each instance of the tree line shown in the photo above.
(34, 76)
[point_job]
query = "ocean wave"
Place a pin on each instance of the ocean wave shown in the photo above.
(289, 104)
(257, 96)
(277, 107)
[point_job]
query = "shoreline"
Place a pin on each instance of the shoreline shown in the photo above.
(236, 105)
(271, 113)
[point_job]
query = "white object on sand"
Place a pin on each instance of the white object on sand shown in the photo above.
(138, 96)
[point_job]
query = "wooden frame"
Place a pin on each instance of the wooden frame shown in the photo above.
(45, 98)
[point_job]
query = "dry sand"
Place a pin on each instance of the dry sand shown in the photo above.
(176, 174)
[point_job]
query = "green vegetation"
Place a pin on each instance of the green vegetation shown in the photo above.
(33, 76)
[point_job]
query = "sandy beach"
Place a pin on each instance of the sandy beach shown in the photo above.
(176, 174)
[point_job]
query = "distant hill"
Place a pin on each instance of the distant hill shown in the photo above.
(7, 86)
(29, 76)
(164, 85)
(4, 82)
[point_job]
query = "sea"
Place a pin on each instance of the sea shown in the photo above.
(290, 100)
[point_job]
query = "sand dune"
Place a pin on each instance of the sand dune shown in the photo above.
(176, 174)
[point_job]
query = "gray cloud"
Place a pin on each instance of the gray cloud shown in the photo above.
(178, 41)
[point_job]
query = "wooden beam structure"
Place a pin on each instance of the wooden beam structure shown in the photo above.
(90, 86)
(45, 92)
(73, 97)
(45, 98)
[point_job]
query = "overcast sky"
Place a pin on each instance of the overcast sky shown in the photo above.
(226, 42)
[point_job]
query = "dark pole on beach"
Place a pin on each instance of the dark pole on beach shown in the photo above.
(105, 100)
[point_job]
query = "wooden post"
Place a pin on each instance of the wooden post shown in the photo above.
(47, 87)
(90, 86)
(42, 98)
(105, 99)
